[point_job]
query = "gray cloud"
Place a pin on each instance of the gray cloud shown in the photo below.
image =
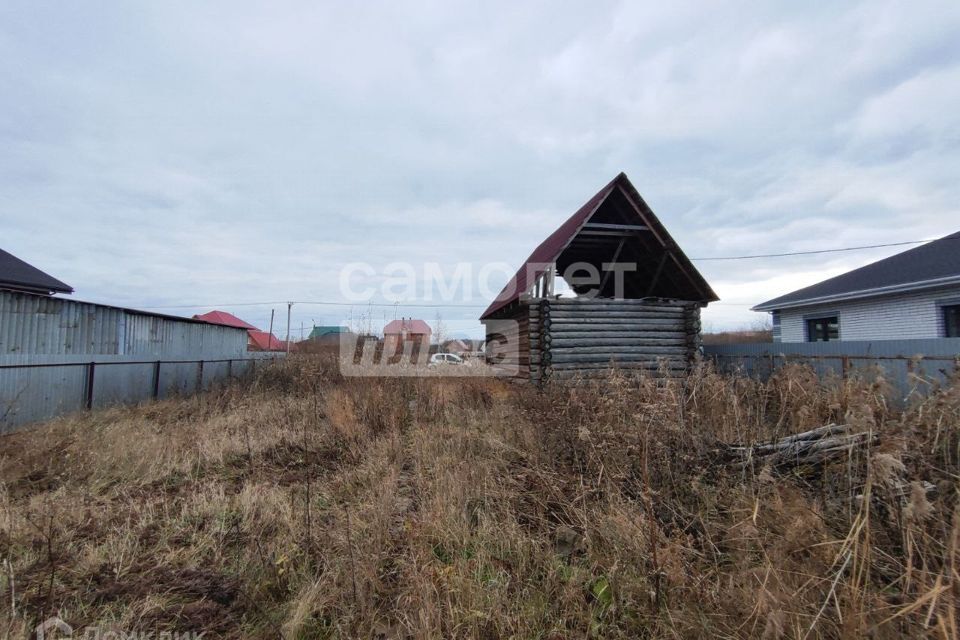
(171, 153)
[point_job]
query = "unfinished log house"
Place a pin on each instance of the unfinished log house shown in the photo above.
(634, 301)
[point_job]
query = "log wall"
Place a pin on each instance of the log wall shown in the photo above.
(565, 338)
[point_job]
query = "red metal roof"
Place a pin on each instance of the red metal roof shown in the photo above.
(548, 250)
(265, 341)
(551, 248)
(222, 317)
(409, 325)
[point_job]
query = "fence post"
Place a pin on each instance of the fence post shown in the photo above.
(91, 369)
(156, 379)
(199, 376)
(844, 366)
(229, 368)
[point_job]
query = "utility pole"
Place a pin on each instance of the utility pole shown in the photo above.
(289, 307)
(270, 337)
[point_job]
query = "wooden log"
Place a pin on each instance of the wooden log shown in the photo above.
(813, 434)
(636, 313)
(613, 351)
(623, 302)
(562, 314)
(565, 342)
(674, 324)
(624, 366)
(809, 448)
(617, 335)
(572, 363)
(564, 376)
(604, 358)
(627, 329)
(677, 365)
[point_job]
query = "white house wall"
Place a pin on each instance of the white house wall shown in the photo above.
(902, 316)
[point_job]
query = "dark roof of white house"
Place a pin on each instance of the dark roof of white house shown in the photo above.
(928, 266)
(18, 275)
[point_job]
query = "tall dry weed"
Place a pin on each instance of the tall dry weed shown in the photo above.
(301, 504)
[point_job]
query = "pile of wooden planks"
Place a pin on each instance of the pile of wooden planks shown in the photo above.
(808, 448)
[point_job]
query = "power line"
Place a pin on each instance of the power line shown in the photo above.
(324, 303)
(423, 305)
(808, 253)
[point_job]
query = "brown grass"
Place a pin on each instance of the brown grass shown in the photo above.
(303, 505)
(751, 336)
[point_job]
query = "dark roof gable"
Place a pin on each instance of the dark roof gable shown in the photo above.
(18, 275)
(681, 280)
(930, 265)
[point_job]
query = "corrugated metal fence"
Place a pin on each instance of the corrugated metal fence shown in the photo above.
(33, 324)
(41, 387)
(909, 365)
(59, 355)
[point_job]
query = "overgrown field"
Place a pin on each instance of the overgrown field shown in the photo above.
(303, 505)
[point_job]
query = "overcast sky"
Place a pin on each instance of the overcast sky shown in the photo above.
(171, 154)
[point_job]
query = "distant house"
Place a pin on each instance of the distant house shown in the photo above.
(222, 317)
(263, 341)
(914, 294)
(17, 275)
(457, 346)
(327, 334)
(461, 346)
(398, 334)
(257, 340)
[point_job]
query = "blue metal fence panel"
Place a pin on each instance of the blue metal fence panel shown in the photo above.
(36, 329)
(42, 387)
(910, 366)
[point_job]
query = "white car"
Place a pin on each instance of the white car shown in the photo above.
(446, 358)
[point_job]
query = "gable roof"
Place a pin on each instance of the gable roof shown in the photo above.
(462, 344)
(928, 266)
(320, 331)
(222, 317)
(550, 249)
(265, 341)
(410, 325)
(20, 276)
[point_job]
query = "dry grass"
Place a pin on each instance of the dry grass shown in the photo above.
(303, 505)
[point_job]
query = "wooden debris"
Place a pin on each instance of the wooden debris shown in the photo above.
(808, 448)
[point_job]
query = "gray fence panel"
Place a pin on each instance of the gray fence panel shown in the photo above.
(909, 365)
(37, 393)
(32, 395)
(122, 384)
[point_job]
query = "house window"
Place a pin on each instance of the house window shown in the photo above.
(826, 329)
(951, 320)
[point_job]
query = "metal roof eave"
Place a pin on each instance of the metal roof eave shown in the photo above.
(860, 294)
(136, 312)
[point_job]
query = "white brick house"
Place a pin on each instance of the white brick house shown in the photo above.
(914, 294)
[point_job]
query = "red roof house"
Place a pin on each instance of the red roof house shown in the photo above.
(256, 340)
(407, 327)
(263, 341)
(222, 317)
(400, 334)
